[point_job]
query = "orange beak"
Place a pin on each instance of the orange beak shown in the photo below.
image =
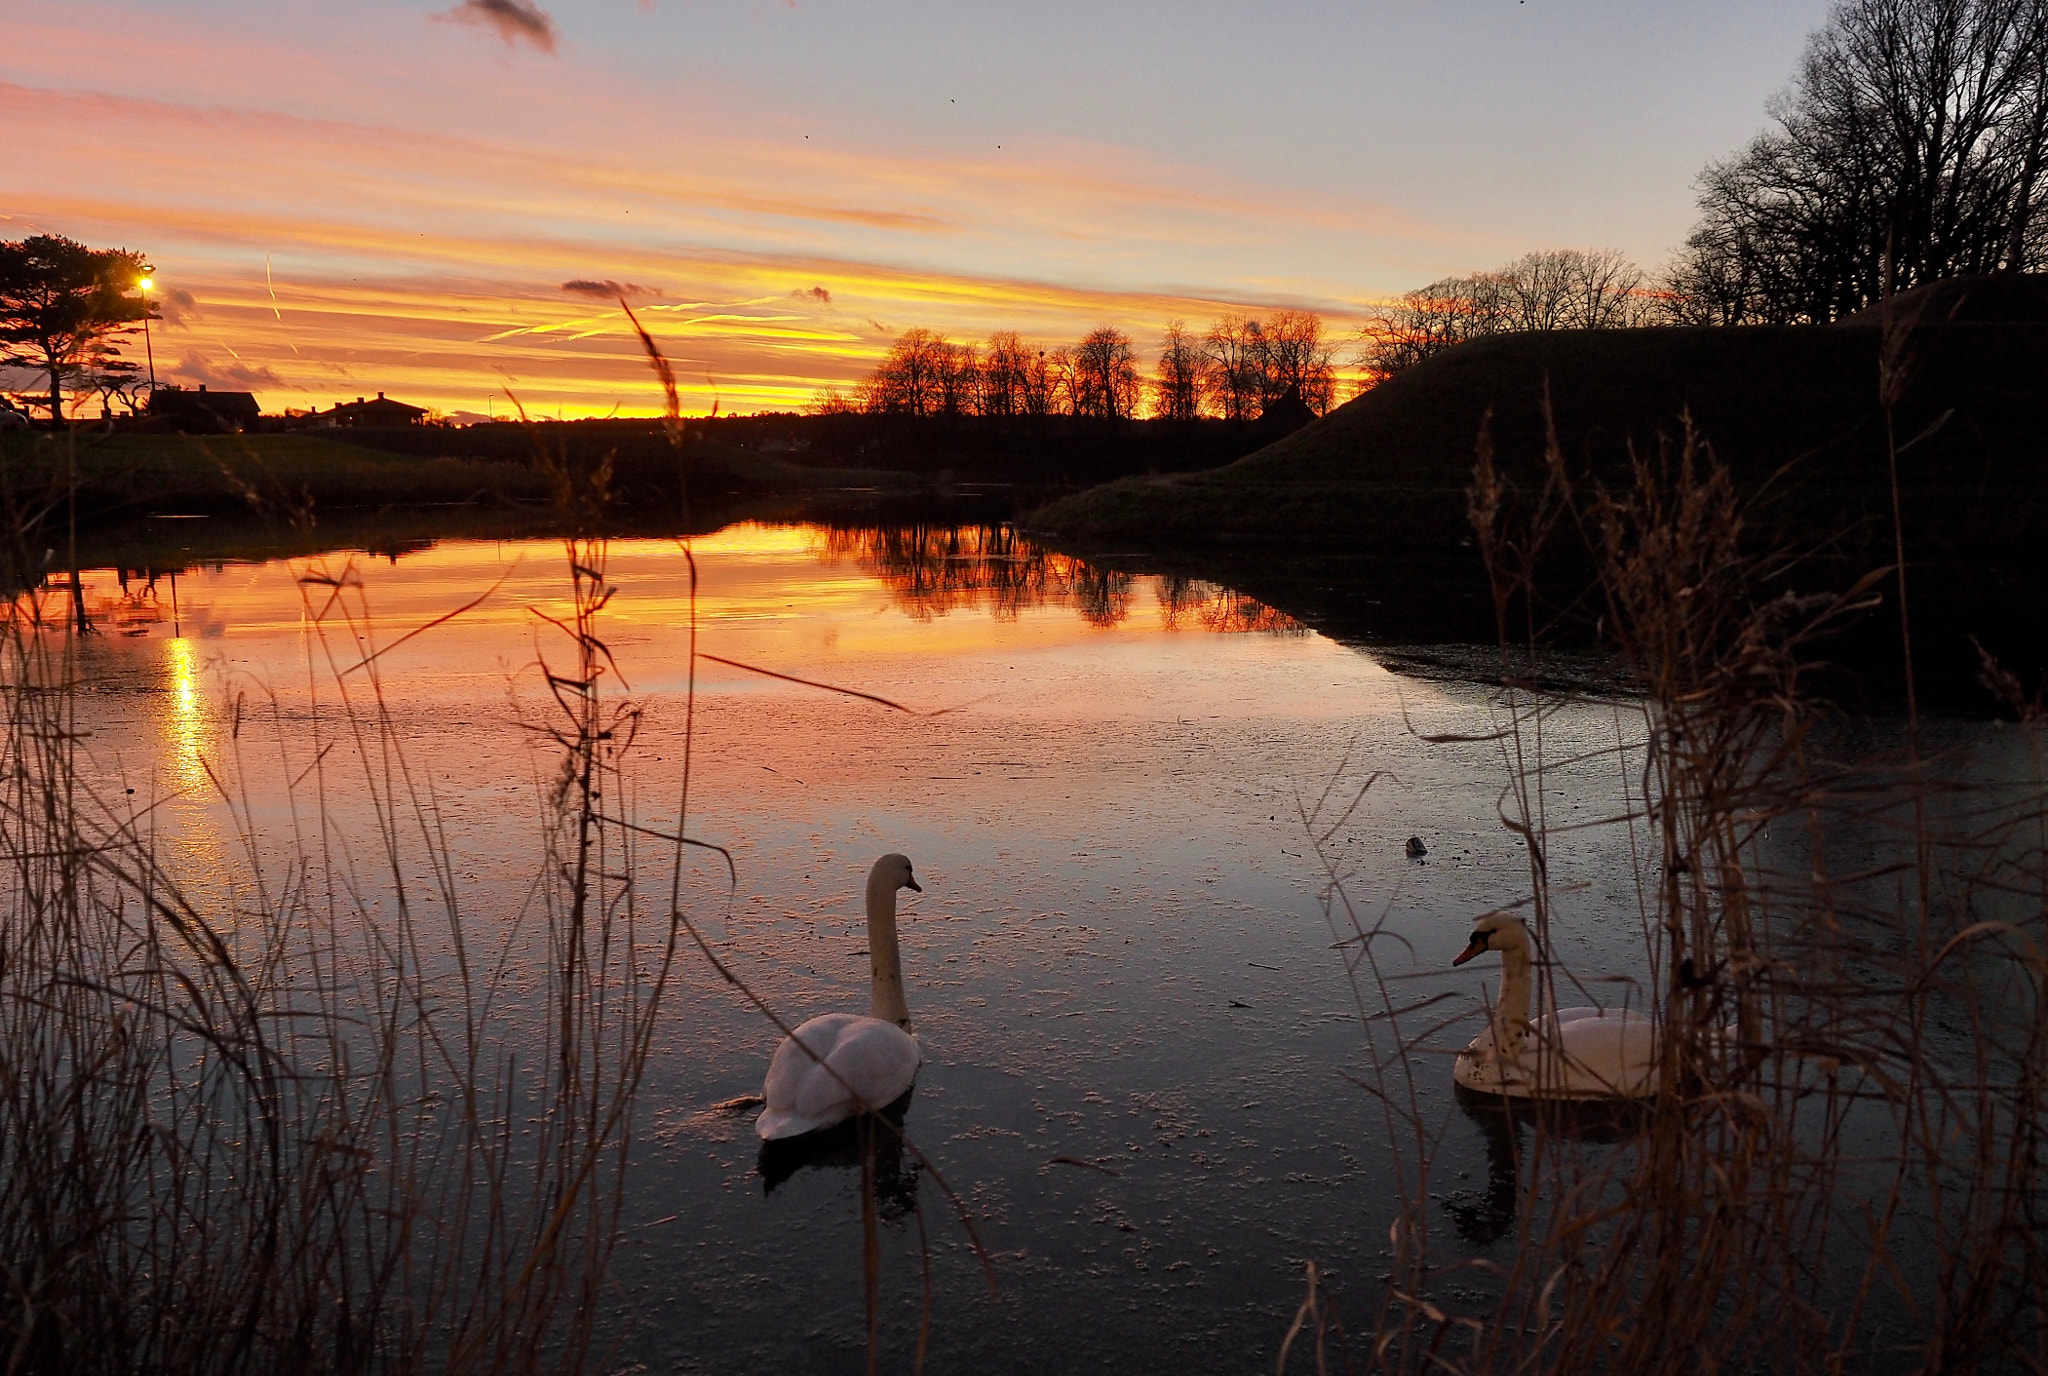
(1478, 945)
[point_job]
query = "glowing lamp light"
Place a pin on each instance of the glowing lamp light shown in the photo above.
(146, 283)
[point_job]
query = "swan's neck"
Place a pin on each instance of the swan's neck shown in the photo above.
(885, 961)
(1511, 1012)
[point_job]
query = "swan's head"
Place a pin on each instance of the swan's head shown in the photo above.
(893, 871)
(1495, 932)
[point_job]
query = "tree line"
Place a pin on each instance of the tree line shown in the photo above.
(1242, 366)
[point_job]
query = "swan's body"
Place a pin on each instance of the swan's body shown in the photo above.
(1572, 1053)
(841, 1064)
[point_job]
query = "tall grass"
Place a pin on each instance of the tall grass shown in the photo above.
(1841, 1168)
(302, 1116)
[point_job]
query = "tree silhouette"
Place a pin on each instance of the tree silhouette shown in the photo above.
(1005, 376)
(63, 306)
(1296, 357)
(1180, 386)
(1908, 149)
(912, 379)
(1104, 375)
(1562, 289)
(1236, 346)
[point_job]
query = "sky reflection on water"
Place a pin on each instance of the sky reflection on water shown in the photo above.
(1119, 959)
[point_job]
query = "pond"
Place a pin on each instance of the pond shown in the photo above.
(1140, 1029)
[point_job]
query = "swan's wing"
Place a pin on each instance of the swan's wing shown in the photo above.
(853, 1062)
(878, 1059)
(792, 1091)
(1565, 1015)
(1608, 1053)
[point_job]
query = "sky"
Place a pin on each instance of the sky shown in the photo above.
(444, 199)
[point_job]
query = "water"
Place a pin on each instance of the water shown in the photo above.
(1138, 1030)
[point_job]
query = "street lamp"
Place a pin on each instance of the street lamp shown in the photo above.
(144, 285)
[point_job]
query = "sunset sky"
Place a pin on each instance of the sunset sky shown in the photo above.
(430, 198)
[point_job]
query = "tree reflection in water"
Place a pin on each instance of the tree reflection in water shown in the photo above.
(934, 569)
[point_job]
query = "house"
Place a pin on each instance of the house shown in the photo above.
(383, 414)
(187, 411)
(1285, 414)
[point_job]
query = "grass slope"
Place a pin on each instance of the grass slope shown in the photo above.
(1793, 411)
(1358, 522)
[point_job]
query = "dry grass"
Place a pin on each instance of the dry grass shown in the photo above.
(297, 1122)
(1841, 1169)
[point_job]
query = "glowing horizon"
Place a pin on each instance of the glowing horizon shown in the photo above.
(341, 204)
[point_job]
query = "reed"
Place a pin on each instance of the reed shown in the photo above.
(1841, 1169)
(285, 1114)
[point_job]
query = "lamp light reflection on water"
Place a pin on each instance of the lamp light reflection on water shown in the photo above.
(184, 725)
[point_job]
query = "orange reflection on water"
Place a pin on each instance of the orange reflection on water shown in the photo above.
(897, 608)
(936, 569)
(185, 735)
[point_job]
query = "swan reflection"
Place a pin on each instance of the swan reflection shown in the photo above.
(1488, 1215)
(871, 1143)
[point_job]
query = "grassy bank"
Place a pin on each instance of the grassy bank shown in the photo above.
(117, 477)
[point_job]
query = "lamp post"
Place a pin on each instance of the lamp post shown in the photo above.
(147, 348)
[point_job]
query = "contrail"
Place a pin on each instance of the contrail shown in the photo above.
(273, 303)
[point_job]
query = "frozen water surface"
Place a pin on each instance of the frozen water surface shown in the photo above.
(1137, 1027)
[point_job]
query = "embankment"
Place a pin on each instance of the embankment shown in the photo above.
(1359, 522)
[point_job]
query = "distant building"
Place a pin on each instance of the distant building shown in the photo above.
(383, 413)
(1285, 414)
(199, 412)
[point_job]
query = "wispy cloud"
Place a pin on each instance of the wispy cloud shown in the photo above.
(516, 21)
(442, 259)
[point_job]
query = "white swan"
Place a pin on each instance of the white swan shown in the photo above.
(1573, 1053)
(848, 1064)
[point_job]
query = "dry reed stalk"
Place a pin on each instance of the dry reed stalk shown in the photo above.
(275, 1127)
(1841, 1167)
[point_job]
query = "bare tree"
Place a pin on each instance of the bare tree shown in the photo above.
(911, 379)
(958, 379)
(1422, 323)
(1105, 375)
(1608, 291)
(1062, 383)
(1043, 381)
(1005, 376)
(1561, 289)
(1297, 358)
(1181, 383)
(1908, 149)
(1236, 346)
